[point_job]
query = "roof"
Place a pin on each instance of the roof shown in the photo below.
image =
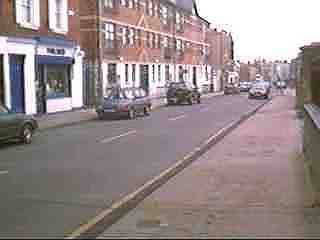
(188, 5)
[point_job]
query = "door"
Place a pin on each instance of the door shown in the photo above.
(17, 83)
(194, 76)
(1, 80)
(144, 78)
(41, 90)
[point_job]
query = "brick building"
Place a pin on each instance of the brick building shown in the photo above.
(40, 56)
(145, 43)
(221, 56)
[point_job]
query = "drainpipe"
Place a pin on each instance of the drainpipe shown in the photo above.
(99, 83)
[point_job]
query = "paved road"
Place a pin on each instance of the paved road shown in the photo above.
(70, 174)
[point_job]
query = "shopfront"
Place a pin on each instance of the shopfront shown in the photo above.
(1, 80)
(59, 76)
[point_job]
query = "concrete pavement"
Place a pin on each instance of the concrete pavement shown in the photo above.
(251, 184)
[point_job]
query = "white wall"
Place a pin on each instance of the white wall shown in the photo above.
(77, 82)
(28, 50)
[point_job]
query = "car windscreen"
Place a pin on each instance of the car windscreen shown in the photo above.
(177, 85)
(130, 93)
(114, 94)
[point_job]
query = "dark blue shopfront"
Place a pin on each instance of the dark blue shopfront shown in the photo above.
(53, 71)
(17, 83)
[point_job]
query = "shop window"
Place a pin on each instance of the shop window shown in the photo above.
(58, 81)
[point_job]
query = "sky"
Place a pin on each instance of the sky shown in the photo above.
(270, 29)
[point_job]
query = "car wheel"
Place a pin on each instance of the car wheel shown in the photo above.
(146, 111)
(132, 114)
(100, 116)
(27, 134)
(199, 100)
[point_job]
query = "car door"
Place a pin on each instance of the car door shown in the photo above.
(138, 99)
(8, 123)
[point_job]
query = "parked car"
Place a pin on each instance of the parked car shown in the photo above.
(16, 126)
(127, 102)
(245, 86)
(281, 84)
(259, 90)
(183, 92)
(231, 89)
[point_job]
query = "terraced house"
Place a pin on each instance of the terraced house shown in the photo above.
(40, 56)
(143, 43)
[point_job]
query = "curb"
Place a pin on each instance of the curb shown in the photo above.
(74, 123)
(97, 225)
(68, 124)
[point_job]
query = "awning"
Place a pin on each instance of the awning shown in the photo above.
(43, 59)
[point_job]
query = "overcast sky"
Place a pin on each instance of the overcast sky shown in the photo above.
(271, 29)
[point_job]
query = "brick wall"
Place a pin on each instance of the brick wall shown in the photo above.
(9, 27)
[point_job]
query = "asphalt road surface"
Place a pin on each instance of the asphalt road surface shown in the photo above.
(68, 175)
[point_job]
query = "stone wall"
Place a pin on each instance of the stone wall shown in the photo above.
(311, 148)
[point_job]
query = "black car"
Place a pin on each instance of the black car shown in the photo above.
(183, 92)
(231, 88)
(126, 102)
(16, 126)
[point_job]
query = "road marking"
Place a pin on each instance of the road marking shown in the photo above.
(4, 172)
(177, 118)
(108, 140)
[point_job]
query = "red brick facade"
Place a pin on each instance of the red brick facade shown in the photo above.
(9, 26)
(138, 34)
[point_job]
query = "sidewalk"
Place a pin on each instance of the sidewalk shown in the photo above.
(251, 184)
(74, 117)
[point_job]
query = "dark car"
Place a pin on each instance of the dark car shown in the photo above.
(16, 126)
(259, 90)
(231, 89)
(126, 102)
(183, 92)
(245, 86)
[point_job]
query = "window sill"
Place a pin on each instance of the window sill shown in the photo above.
(28, 25)
(314, 112)
(59, 31)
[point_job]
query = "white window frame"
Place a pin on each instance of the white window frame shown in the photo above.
(53, 12)
(110, 32)
(34, 14)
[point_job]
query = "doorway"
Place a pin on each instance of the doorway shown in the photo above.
(144, 78)
(194, 76)
(17, 83)
(1, 80)
(41, 90)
